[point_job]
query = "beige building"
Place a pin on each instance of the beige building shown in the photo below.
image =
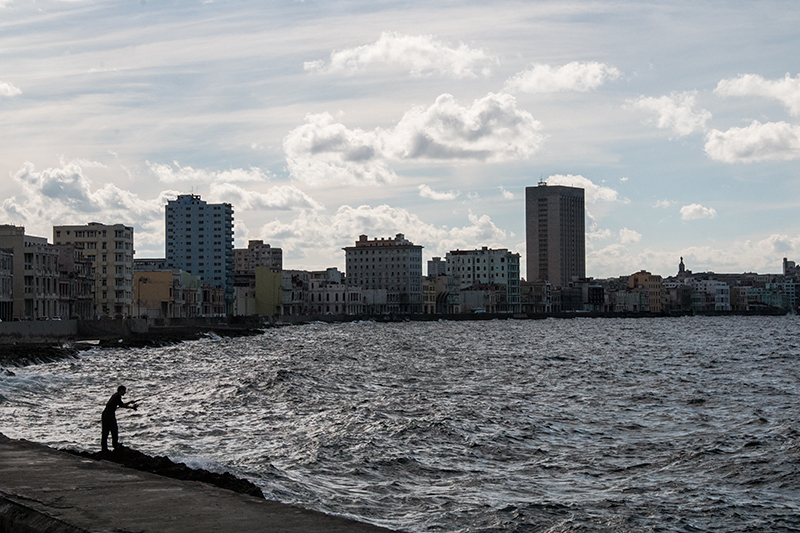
(109, 248)
(650, 285)
(392, 266)
(35, 274)
(555, 234)
(167, 294)
(257, 254)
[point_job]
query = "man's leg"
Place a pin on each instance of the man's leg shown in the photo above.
(104, 440)
(114, 434)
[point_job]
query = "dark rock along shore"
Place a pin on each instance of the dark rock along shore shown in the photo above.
(164, 466)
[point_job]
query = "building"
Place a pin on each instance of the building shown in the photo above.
(386, 268)
(200, 241)
(149, 265)
(437, 267)
(109, 249)
(35, 274)
(494, 273)
(257, 254)
(6, 284)
(650, 285)
(555, 233)
(76, 283)
(167, 294)
(268, 291)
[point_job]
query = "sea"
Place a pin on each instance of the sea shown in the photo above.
(682, 424)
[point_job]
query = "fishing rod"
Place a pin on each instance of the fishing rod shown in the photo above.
(137, 400)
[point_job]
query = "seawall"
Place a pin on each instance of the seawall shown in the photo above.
(42, 489)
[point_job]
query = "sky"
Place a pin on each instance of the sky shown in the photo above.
(320, 121)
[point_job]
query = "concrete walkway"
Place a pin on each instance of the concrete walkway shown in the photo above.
(42, 489)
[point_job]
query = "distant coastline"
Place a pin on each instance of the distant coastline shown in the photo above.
(42, 343)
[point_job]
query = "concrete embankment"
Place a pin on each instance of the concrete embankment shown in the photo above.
(42, 489)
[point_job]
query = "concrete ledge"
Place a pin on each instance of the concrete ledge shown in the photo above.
(18, 518)
(42, 489)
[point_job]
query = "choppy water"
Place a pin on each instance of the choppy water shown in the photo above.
(685, 424)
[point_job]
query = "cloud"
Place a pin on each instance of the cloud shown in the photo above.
(491, 129)
(756, 142)
(281, 197)
(575, 76)
(759, 255)
(8, 89)
(675, 112)
(427, 192)
(508, 195)
(180, 174)
(422, 55)
(325, 151)
(697, 211)
(314, 234)
(64, 195)
(786, 90)
(628, 235)
(664, 203)
(593, 193)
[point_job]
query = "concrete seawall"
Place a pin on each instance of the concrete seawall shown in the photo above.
(42, 489)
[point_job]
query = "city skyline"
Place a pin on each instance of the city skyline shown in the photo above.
(319, 122)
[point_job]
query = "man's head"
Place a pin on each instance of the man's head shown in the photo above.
(121, 390)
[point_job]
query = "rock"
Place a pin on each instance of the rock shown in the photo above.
(164, 466)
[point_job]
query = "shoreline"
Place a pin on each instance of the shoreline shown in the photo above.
(58, 491)
(20, 351)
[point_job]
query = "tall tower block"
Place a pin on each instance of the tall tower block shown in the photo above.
(555, 233)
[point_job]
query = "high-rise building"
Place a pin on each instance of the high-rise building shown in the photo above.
(200, 241)
(387, 266)
(555, 233)
(109, 249)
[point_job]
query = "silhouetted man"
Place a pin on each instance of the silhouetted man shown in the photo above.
(110, 417)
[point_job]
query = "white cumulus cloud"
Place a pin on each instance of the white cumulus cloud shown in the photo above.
(421, 55)
(8, 89)
(664, 203)
(426, 192)
(592, 192)
(314, 234)
(756, 142)
(786, 90)
(65, 195)
(491, 129)
(178, 174)
(628, 235)
(696, 212)
(279, 197)
(675, 112)
(575, 76)
(508, 195)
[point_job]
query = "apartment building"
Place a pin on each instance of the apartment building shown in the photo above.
(555, 233)
(257, 254)
(35, 274)
(494, 272)
(109, 249)
(389, 271)
(6, 284)
(199, 240)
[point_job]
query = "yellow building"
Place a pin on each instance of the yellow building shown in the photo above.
(650, 285)
(268, 292)
(166, 294)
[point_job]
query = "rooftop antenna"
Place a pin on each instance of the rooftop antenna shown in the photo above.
(541, 180)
